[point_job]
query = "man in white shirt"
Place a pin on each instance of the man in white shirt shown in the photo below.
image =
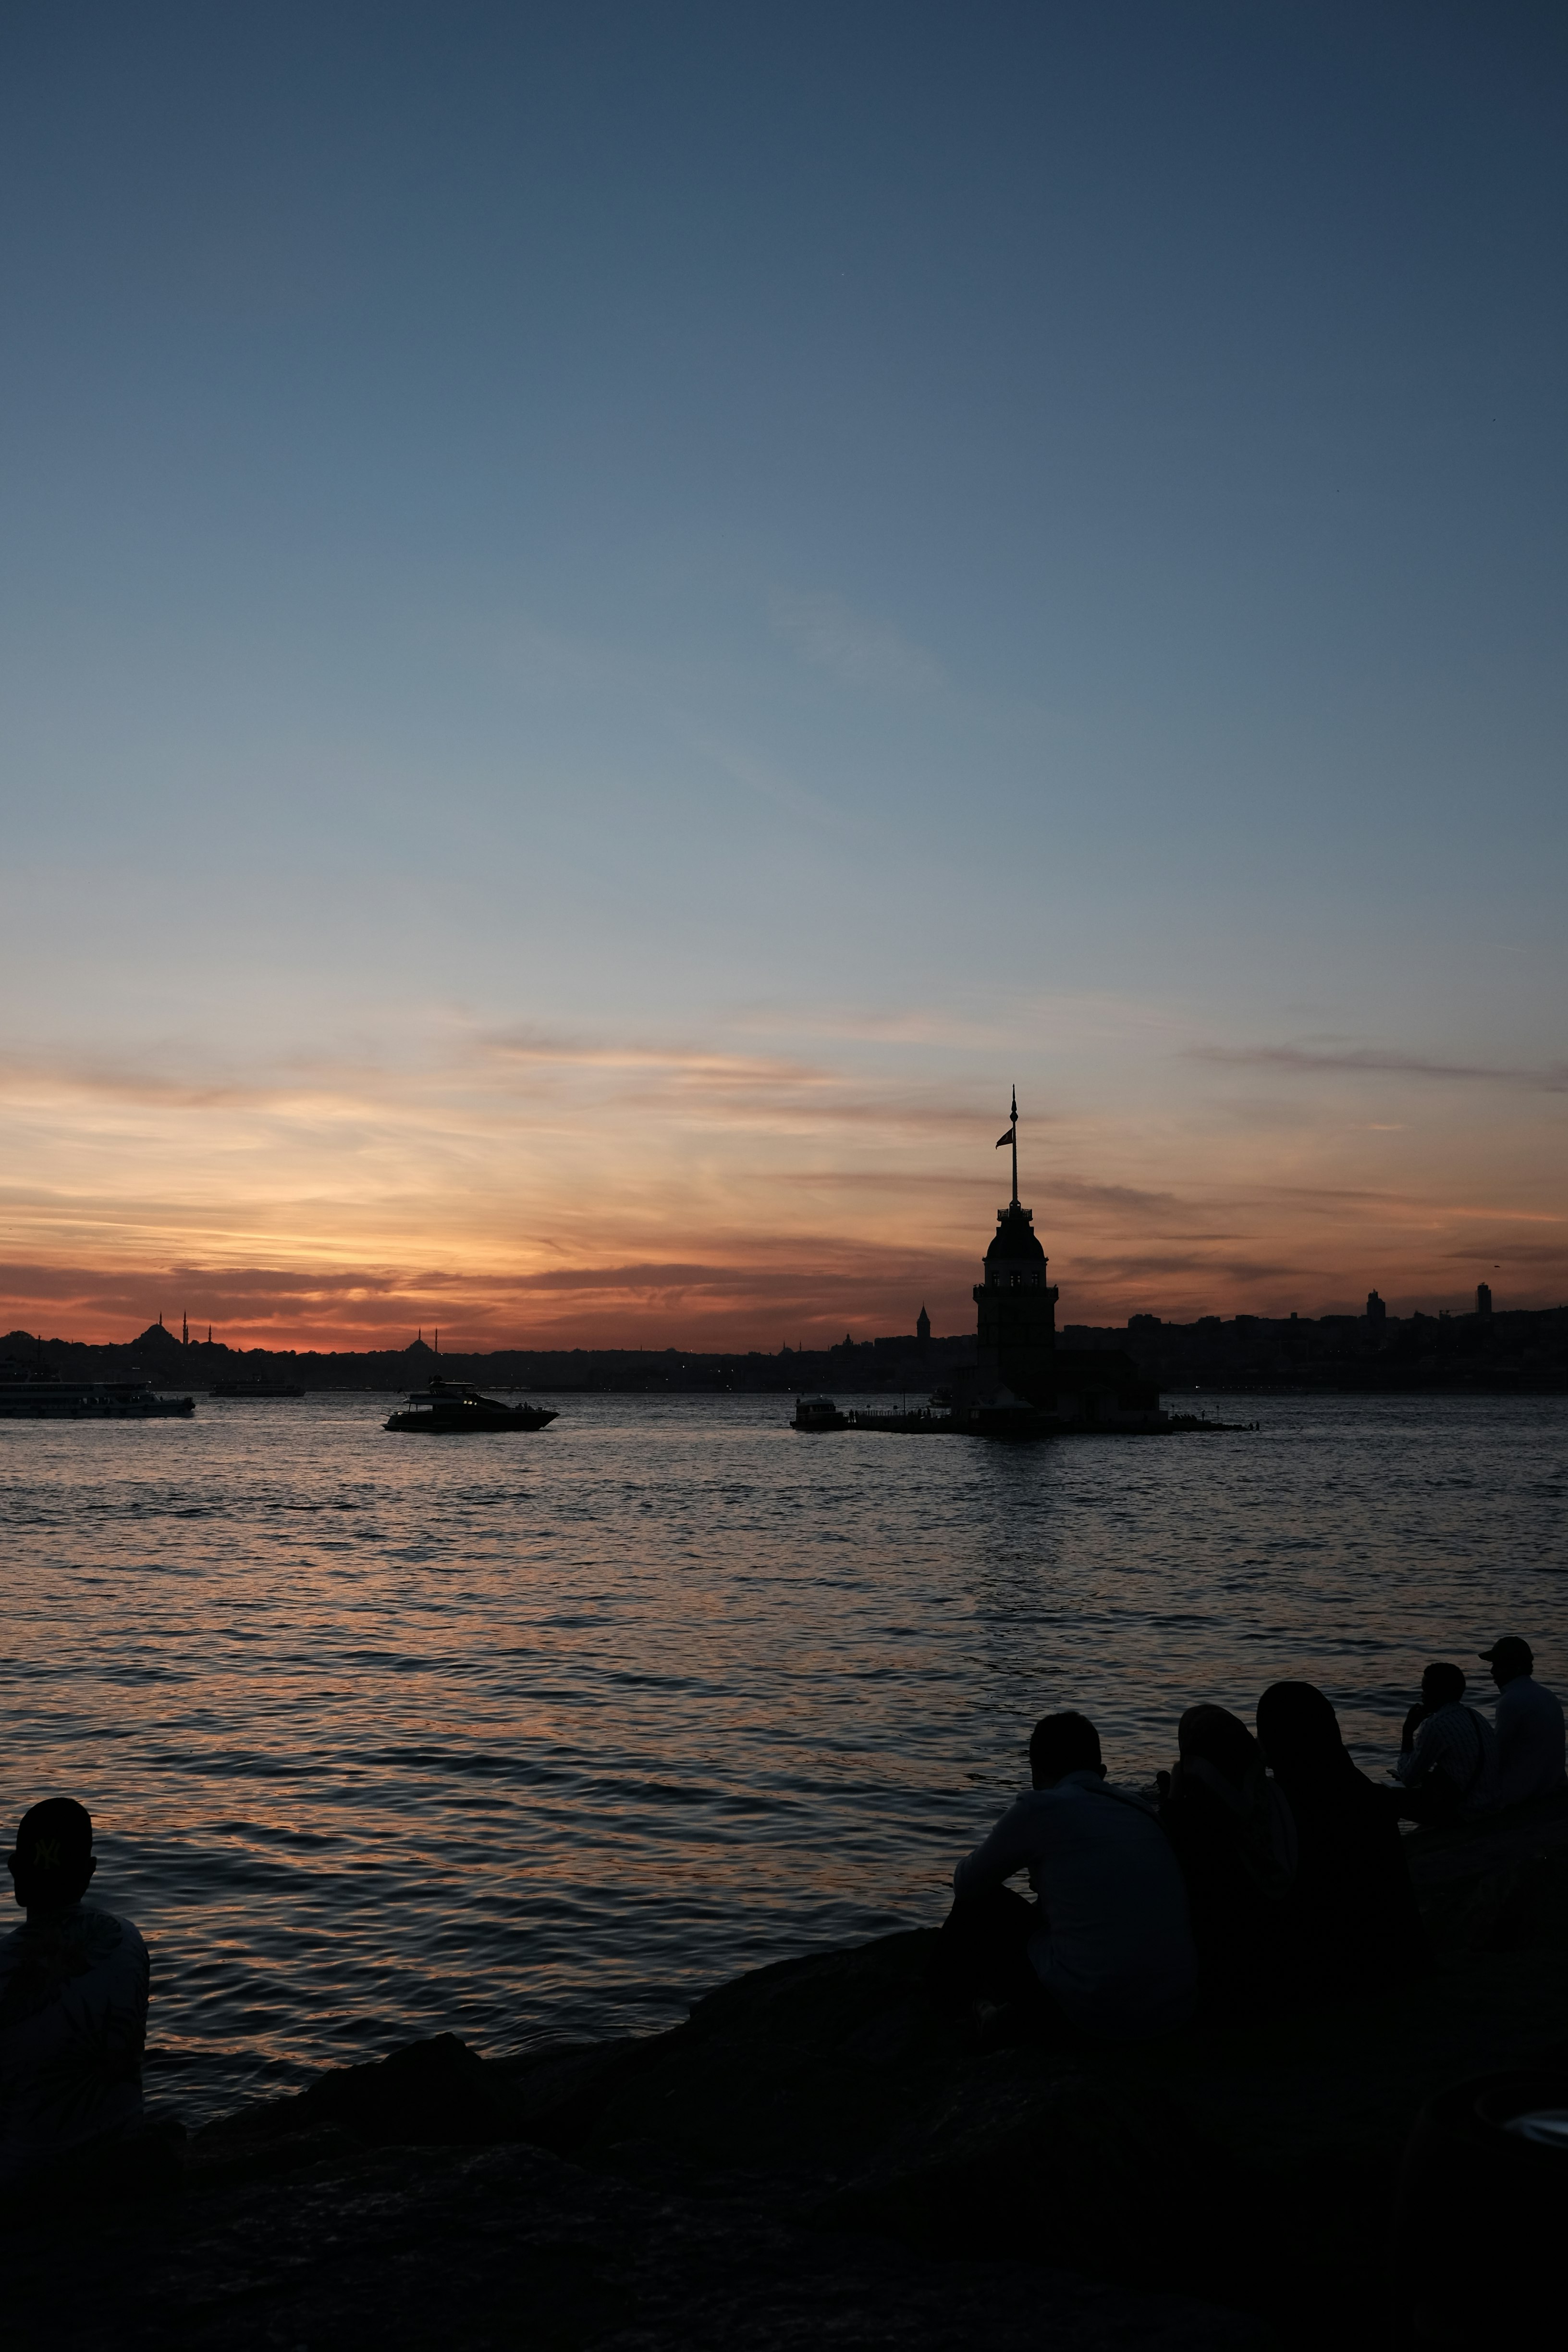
(1447, 1762)
(1528, 1722)
(73, 2004)
(1108, 1938)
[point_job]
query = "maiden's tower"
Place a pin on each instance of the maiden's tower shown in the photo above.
(1020, 1379)
(1016, 1339)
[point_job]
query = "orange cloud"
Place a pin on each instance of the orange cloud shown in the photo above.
(524, 1186)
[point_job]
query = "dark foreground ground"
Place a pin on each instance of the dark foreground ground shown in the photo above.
(816, 2160)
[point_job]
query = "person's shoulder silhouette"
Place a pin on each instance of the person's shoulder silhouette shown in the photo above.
(73, 2000)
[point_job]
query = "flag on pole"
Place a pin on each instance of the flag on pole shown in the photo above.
(1001, 1139)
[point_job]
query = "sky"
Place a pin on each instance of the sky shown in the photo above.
(614, 619)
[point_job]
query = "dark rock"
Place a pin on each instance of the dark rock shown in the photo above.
(1524, 1904)
(1250, 2163)
(822, 2156)
(1468, 2180)
(435, 2094)
(1041, 2154)
(512, 2246)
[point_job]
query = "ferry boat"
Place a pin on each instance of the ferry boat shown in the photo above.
(447, 1408)
(44, 1396)
(817, 1414)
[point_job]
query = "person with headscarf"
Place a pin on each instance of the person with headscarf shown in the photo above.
(1235, 1840)
(1353, 1918)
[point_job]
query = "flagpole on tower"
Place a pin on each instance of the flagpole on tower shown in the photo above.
(1012, 1137)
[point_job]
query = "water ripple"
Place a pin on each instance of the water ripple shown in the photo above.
(542, 1735)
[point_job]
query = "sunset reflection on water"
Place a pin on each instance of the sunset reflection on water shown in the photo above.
(529, 1735)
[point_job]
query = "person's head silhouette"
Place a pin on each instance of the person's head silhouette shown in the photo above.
(52, 1862)
(1298, 1732)
(1442, 1686)
(1508, 1659)
(1060, 1743)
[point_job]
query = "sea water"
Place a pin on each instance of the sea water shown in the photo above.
(538, 1736)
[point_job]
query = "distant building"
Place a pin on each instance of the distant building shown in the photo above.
(922, 1330)
(1376, 1312)
(1483, 1299)
(157, 1340)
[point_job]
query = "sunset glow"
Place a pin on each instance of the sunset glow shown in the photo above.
(517, 1188)
(580, 709)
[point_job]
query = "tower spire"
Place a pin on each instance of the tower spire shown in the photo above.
(1012, 1137)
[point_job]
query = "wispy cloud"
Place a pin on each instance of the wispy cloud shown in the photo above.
(923, 1026)
(660, 1184)
(1126, 1200)
(689, 1064)
(730, 1300)
(1501, 1249)
(40, 1078)
(853, 647)
(1379, 1061)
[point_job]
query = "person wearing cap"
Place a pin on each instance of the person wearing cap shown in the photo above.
(1528, 1722)
(73, 2004)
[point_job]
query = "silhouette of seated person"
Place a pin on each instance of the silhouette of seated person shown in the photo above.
(73, 2004)
(1106, 1947)
(1528, 1725)
(1235, 1840)
(1447, 1759)
(1353, 1919)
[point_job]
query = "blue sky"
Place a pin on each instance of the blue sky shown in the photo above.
(615, 618)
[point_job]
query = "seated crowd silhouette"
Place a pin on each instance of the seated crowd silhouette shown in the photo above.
(1265, 1861)
(1267, 1864)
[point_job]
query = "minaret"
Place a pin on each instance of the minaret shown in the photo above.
(185, 1331)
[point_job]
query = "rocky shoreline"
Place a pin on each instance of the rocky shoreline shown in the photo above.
(818, 2157)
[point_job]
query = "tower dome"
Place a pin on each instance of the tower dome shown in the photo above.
(1015, 1260)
